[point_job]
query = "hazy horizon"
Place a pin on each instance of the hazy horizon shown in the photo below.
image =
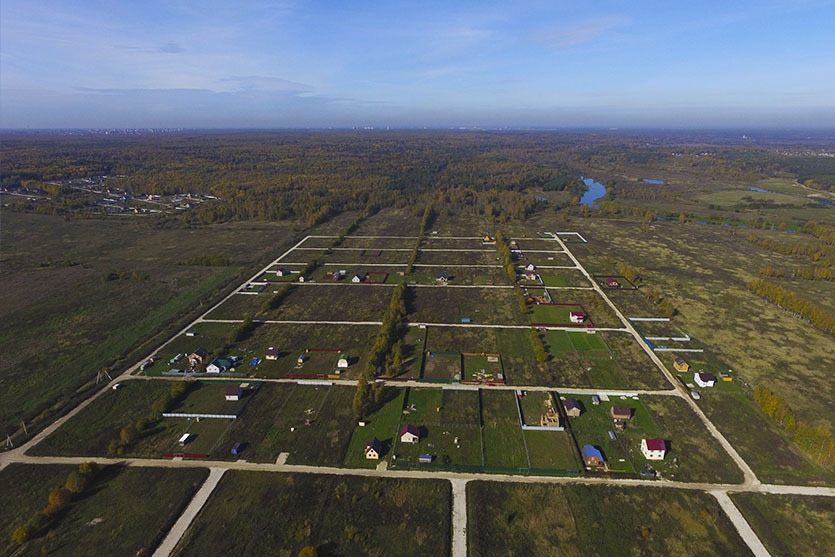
(283, 65)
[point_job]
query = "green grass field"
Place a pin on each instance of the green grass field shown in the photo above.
(504, 443)
(382, 424)
(338, 515)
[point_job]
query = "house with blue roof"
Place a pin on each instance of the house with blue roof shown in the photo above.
(592, 456)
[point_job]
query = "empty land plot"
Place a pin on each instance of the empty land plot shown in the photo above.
(390, 222)
(369, 258)
(544, 259)
(597, 361)
(633, 363)
(790, 524)
(459, 407)
(479, 276)
(484, 256)
(441, 366)
(333, 302)
(209, 398)
(510, 519)
(26, 489)
(768, 451)
(381, 423)
(536, 244)
(438, 242)
(378, 243)
(552, 450)
(598, 310)
(414, 342)
(504, 444)
(338, 515)
(108, 515)
(693, 454)
(561, 369)
(240, 306)
(314, 425)
(91, 430)
(492, 306)
(563, 277)
(558, 315)
(449, 443)
(462, 339)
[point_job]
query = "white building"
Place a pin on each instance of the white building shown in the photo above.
(704, 379)
(653, 449)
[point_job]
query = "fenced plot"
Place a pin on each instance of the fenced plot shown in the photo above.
(333, 302)
(497, 306)
(485, 256)
(447, 430)
(534, 406)
(558, 315)
(459, 407)
(544, 259)
(483, 368)
(382, 424)
(614, 282)
(442, 366)
(204, 436)
(552, 450)
(634, 363)
(504, 444)
(563, 277)
(590, 346)
(355, 257)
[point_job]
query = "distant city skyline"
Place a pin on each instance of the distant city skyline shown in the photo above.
(97, 64)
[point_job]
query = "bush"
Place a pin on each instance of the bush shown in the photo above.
(77, 482)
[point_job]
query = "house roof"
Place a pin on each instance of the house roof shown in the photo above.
(656, 444)
(232, 390)
(374, 444)
(706, 377)
(591, 450)
(272, 351)
(621, 411)
(409, 428)
(578, 314)
(202, 352)
(570, 404)
(680, 360)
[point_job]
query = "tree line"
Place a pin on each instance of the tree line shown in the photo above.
(806, 309)
(816, 441)
(805, 273)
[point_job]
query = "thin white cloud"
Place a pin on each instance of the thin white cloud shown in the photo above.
(579, 32)
(266, 83)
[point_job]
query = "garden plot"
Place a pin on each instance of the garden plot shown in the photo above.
(240, 305)
(558, 315)
(598, 310)
(537, 244)
(383, 424)
(483, 368)
(314, 425)
(438, 242)
(209, 398)
(543, 259)
(504, 443)
(481, 276)
(368, 274)
(552, 451)
(561, 369)
(614, 282)
(378, 243)
(493, 306)
(449, 428)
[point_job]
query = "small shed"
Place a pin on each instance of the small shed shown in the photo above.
(530, 267)
(409, 434)
(342, 362)
(271, 353)
(595, 400)
(592, 456)
(184, 438)
(302, 359)
(233, 392)
(425, 459)
(282, 272)
(442, 276)
(680, 364)
(357, 278)
(237, 448)
(373, 449)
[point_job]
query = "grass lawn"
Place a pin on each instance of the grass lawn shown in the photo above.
(334, 302)
(413, 352)
(208, 398)
(382, 424)
(633, 363)
(504, 442)
(108, 516)
(91, 430)
(790, 524)
(552, 450)
(253, 513)
(556, 315)
(487, 368)
(511, 519)
(563, 277)
(479, 256)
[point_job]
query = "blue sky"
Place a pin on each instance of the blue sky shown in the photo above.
(409, 64)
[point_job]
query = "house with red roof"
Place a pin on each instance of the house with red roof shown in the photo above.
(409, 434)
(654, 449)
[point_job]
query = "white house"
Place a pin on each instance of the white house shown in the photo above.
(356, 278)
(704, 379)
(409, 434)
(272, 353)
(530, 267)
(281, 272)
(342, 362)
(577, 316)
(373, 449)
(653, 449)
(233, 393)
